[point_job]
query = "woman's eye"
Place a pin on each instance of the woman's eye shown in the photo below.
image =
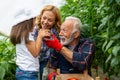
(50, 20)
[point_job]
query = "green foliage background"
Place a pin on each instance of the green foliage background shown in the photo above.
(7, 62)
(101, 21)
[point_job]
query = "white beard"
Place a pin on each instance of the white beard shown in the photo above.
(66, 41)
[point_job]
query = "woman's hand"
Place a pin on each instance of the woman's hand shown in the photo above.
(44, 33)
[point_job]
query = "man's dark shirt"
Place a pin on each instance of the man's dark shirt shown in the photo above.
(82, 54)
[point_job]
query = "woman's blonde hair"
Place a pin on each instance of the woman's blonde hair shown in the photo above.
(56, 12)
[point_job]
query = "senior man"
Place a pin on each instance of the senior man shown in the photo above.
(73, 54)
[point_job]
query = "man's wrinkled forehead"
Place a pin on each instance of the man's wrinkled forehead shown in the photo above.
(67, 24)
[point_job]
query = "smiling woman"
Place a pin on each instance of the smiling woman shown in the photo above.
(18, 12)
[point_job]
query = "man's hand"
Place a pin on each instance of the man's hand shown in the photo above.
(54, 43)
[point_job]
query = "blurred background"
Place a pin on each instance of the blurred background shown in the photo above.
(12, 11)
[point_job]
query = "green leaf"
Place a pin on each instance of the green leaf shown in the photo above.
(2, 73)
(109, 45)
(118, 2)
(110, 1)
(117, 36)
(115, 50)
(114, 61)
(104, 44)
(104, 35)
(110, 50)
(118, 21)
(108, 59)
(4, 64)
(104, 21)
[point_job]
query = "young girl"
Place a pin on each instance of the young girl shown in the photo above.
(28, 46)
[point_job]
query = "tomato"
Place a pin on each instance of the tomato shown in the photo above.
(72, 78)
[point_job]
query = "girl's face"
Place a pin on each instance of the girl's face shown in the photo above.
(47, 19)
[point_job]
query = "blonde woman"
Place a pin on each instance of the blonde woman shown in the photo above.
(50, 19)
